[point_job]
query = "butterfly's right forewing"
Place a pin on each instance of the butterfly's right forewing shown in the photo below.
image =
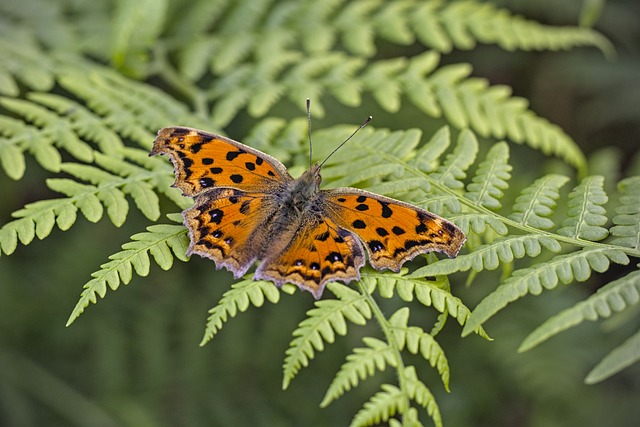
(204, 160)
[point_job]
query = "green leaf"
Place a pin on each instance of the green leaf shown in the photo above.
(157, 240)
(492, 178)
(321, 324)
(626, 227)
(621, 357)
(238, 299)
(454, 168)
(360, 364)
(586, 214)
(613, 297)
(532, 280)
(489, 256)
(383, 405)
(536, 202)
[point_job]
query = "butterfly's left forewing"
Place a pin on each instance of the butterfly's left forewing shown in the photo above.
(392, 232)
(203, 160)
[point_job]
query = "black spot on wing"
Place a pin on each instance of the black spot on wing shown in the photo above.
(216, 215)
(231, 155)
(386, 210)
(195, 148)
(398, 231)
(207, 182)
(334, 257)
(359, 224)
(375, 245)
(322, 237)
(382, 232)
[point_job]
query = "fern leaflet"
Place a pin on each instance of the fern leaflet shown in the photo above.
(383, 405)
(626, 227)
(360, 364)
(163, 242)
(417, 341)
(622, 356)
(537, 201)
(492, 178)
(321, 324)
(238, 299)
(562, 268)
(586, 212)
(613, 297)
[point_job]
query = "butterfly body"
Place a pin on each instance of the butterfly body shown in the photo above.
(248, 208)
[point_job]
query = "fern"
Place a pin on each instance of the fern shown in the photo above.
(163, 242)
(614, 297)
(238, 299)
(85, 108)
(586, 214)
(323, 322)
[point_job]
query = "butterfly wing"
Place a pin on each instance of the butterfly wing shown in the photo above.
(204, 160)
(393, 232)
(228, 226)
(319, 252)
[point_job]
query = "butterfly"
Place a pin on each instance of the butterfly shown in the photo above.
(249, 208)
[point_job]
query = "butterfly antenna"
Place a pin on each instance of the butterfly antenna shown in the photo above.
(309, 128)
(366, 122)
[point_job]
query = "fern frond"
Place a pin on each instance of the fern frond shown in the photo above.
(360, 364)
(451, 173)
(463, 24)
(373, 148)
(23, 137)
(51, 127)
(491, 178)
(626, 227)
(382, 406)
(421, 394)
(238, 299)
(586, 214)
(106, 191)
(417, 341)
(536, 202)
(613, 297)
(84, 122)
(490, 255)
(426, 292)
(322, 323)
(621, 357)
(163, 242)
(29, 65)
(532, 280)
(478, 223)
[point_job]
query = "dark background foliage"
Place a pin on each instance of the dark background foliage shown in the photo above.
(134, 359)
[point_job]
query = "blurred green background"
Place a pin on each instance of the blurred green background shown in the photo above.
(134, 360)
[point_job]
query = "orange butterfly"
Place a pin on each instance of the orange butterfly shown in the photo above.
(247, 208)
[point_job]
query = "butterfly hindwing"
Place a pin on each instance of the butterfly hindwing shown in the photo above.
(393, 232)
(225, 225)
(204, 160)
(319, 252)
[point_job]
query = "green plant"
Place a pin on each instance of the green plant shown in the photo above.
(221, 61)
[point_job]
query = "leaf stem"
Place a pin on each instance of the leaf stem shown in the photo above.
(391, 339)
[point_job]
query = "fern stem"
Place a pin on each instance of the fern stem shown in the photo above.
(391, 339)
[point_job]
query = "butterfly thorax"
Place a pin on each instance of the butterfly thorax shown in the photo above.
(302, 193)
